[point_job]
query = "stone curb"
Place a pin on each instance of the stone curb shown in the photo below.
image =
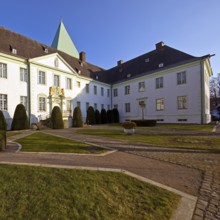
(185, 207)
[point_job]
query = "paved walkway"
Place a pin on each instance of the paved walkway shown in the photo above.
(180, 169)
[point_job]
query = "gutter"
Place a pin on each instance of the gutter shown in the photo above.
(29, 89)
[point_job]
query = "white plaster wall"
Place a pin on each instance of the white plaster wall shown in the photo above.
(170, 91)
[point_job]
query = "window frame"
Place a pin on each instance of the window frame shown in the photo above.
(115, 92)
(41, 79)
(3, 102)
(24, 101)
(3, 70)
(56, 80)
(141, 86)
(23, 74)
(42, 106)
(182, 102)
(159, 82)
(181, 78)
(160, 104)
(127, 107)
(127, 90)
(68, 83)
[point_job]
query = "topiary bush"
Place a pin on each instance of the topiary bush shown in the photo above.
(20, 119)
(3, 124)
(116, 115)
(56, 118)
(110, 116)
(145, 123)
(104, 118)
(97, 117)
(3, 140)
(77, 117)
(90, 117)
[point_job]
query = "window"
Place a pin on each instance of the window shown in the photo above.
(95, 106)
(69, 105)
(182, 102)
(181, 78)
(102, 91)
(127, 90)
(3, 70)
(116, 106)
(141, 86)
(95, 90)
(115, 92)
(127, 107)
(23, 75)
(41, 78)
(108, 92)
(160, 104)
(78, 84)
(23, 101)
(78, 104)
(56, 80)
(42, 104)
(3, 102)
(102, 106)
(87, 88)
(68, 83)
(87, 105)
(159, 82)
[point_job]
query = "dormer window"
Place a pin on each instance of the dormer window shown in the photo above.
(45, 49)
(161, 65)
(13, 49)
(147, 60)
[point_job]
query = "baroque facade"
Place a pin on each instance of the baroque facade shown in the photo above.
(164, 84)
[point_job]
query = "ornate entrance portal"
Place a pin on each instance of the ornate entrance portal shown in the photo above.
(56, 97)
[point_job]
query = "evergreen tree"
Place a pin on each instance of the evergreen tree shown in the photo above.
(57, 118)
(90, 118)
(110, 116)
(116, 115)
(3, 124)
(97, 117)
(77, 117)
(20, 119)
(104, 118)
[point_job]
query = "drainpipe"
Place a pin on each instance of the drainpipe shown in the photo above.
(202, 90)
(29, 89)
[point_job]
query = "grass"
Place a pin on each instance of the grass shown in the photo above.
(199, 142)
(41, 142)
(50, 193)
(10, 134)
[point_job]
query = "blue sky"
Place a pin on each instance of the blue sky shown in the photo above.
(110, 30)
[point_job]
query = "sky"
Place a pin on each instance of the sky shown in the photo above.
(112, 30)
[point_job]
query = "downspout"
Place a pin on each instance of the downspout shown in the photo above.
(29, 90)
(111, 96)
(202, 90)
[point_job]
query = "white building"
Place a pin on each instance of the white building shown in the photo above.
(165, 84)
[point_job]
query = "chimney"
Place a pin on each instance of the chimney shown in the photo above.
(159, 45)
(82, 56)
(120, 62)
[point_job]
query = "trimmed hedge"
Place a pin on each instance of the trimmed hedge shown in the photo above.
(145, 123)
(20, 119)
(56, 118)
(3, 124)
(97, 117)
(104, 118)
(110, 116)
(90, 117)
(3, 140)
(116, 115)
(77, 118)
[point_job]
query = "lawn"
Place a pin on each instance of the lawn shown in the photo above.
(200, 142)
(50, 193)
(41, 142)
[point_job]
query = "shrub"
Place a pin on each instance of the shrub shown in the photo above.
(145, 123)
(90, 117)
(77, 117)
(104, 118)
(115, 115)
(3, 140)
(3, 124)
(20, 119)
(110, 116)
(97, 117)
(129, 125)
(56, 118)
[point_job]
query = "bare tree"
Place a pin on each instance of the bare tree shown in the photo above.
(215, 90)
